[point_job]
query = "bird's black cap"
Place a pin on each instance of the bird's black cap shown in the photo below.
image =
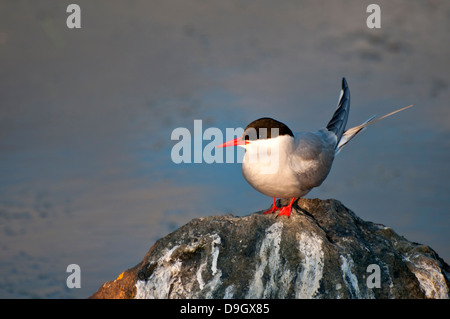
(265, 128)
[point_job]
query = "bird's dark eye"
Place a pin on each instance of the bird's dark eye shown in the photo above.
(260, 133)
(250, 134)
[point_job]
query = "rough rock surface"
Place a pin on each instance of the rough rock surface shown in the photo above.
(322, 251)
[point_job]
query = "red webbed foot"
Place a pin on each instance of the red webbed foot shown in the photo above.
(273, 209)
(286, 210)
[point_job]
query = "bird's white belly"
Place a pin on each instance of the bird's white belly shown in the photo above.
(280, 183)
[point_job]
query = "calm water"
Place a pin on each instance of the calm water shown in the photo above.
(86, 118)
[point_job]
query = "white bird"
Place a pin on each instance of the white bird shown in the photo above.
(281, 164)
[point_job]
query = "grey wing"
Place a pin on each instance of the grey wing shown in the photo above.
(313, 156)
(339, 120)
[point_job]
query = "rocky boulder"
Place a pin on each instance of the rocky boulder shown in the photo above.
(322, 251)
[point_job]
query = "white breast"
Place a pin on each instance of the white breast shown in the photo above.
(284, 168)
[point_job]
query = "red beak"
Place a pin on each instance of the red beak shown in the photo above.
(235, 142)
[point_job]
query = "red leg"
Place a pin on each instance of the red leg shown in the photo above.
(286, 210)
(273, 209)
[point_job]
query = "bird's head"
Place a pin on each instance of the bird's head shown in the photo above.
(260, 130)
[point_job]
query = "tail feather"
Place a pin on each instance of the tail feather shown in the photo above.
(339, 120)
(351, 132)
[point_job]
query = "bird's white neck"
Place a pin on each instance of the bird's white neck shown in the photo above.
(267, 155)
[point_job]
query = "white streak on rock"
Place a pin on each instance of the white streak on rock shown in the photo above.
(212, 285)
(349, 278)
(308, 280)
(215, 282)
(229, 292)
(270, 257)
(215, 253)
(158, 284)
(201, 283)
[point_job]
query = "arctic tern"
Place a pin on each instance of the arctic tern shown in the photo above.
(281, 164)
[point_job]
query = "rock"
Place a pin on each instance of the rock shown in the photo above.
(322, 251)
